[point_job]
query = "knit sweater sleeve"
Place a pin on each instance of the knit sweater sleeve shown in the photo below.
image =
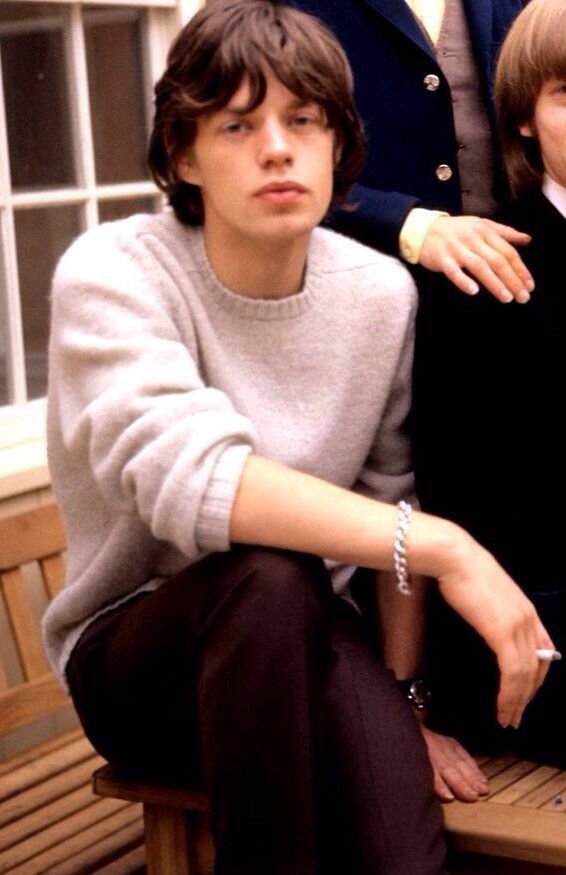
(128, 400)
(388, 471)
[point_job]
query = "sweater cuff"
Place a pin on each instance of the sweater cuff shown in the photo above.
(213, 523)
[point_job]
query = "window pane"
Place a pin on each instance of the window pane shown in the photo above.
(42, 235)
(35, 92)
(120, 209)
(113, 49)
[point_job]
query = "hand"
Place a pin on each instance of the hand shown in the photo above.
(483, 248)
(456, 773)
(483, 594)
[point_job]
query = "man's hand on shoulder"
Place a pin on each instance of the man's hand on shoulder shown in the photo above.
(456, 773)
(470, 250)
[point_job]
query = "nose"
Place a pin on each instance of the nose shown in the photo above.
(275, 144)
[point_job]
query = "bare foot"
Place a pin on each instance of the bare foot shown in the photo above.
(456, 774)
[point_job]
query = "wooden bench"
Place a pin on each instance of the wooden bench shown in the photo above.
(522, 819)
(50, 821)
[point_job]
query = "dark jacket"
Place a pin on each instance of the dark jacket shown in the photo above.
(410, 129)
(490, 443)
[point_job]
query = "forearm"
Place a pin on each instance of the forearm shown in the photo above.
(279, 507)
(276, 506)
(401, 623)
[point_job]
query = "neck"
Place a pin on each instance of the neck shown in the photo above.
(258, 269)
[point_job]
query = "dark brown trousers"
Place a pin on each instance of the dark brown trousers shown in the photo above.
(246, 673)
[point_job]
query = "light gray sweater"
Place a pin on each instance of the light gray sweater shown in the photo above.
(162, 381)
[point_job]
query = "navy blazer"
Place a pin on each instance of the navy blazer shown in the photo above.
(410, 129)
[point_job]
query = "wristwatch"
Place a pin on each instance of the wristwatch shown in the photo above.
(417, 691)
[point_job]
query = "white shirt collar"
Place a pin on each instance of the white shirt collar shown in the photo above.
(555, 193)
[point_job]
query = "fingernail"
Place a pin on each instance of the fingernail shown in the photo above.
(503, 725)
(523, 297)
(506, 296)
(531, 286)
(473, 288)
(448, 797)
(516, 724)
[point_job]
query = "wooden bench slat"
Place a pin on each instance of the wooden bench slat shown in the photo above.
(509, 776)
(38, 751)
(24, 625)
(557, 803)
(128, 864)
(50, 822)
(27, 702)
(44, 815)
(53, 574)
(42, 793)
(31, 535)
(512, 833)
(83, 838)
(539, 797)
(107, 856)
(35, 847)
(107, 783)
(498, 764)
(32, 772)
(524, 785)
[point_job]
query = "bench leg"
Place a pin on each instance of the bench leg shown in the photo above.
(168, 842)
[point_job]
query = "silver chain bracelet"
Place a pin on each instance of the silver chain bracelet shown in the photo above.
(400, 548)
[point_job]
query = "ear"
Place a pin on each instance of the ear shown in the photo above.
(526, 130)
(187, 168)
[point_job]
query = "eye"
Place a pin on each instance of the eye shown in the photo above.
(309, 118)
(303, 119)
(233, 128)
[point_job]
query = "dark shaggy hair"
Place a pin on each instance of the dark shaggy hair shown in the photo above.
(232, 40)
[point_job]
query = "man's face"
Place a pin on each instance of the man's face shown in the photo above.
(549, 128)
(265, 174)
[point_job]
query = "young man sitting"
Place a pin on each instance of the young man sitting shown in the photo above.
(228, 391)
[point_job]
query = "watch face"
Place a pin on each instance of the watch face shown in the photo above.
(419, 693)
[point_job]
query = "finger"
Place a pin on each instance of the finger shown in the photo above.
(530, 668)
(483, 274)
(505, 262)
(456, 275)
(502, 269)
(511, 698)
(519, 669)
(520, 270)
(521, 238)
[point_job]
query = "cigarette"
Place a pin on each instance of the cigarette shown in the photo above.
(546, 654)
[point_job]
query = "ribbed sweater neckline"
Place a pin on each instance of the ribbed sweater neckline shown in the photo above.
(258, 308)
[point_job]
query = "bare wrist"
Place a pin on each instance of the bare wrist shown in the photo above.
(447, 547)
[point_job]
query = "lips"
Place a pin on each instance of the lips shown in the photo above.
(281, 190)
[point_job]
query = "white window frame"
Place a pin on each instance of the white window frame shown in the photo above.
(22, 429)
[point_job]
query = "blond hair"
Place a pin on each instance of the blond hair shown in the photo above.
(533, 52)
